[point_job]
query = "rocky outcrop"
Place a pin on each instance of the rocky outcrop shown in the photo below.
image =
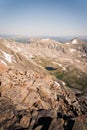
(42, 119)
(33, 101)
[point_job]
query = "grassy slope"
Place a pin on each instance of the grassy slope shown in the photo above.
(73, 77)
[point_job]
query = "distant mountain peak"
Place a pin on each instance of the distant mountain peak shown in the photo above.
(76, 41)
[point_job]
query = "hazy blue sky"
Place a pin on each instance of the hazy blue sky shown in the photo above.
(43, 17)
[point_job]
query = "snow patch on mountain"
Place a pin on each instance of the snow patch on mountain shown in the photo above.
(72, 50)
(67, 43)
(64, 69)
(74, 41)
(16, 49)
(63, 83)
(47, 39)
(3, 62)
(56, 83)
(7, 57)
(60, 64)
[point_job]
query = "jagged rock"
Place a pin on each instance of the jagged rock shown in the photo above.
(44, 92)
(37, 93)
(79, 124)
(25, 121)
(6, 110)
(57, 124)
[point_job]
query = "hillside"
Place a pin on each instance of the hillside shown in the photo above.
(43, 85)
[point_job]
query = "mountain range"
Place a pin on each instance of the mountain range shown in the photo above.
(43, 84)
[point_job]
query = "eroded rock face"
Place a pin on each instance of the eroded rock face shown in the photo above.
(28, 92)
(33, 101)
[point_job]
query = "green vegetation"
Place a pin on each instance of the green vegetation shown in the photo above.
(73, 77)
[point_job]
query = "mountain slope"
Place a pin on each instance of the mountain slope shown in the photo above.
(34, 80)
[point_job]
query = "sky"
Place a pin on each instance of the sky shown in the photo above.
(43, 17)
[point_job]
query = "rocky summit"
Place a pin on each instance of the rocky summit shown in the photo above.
(43, 85)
